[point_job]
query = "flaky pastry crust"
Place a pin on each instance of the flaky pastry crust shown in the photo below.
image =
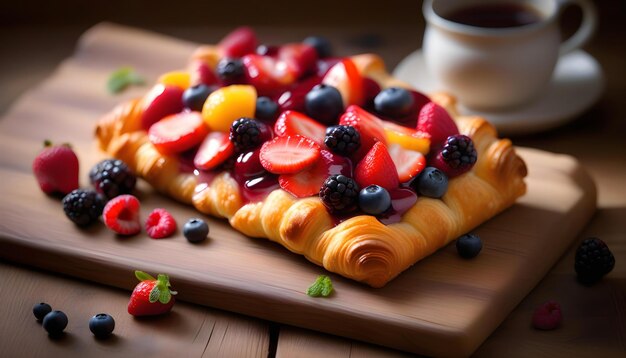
(360, 248)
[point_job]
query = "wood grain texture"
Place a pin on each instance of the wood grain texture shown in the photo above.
(443, 305)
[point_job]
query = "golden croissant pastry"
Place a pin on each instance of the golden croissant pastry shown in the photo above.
(361, 247)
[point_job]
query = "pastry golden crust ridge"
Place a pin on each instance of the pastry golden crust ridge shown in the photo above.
(361, 248)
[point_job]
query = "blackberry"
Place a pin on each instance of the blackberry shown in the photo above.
(459, 152)
(112, 177)
(83, 206)
(339, 193)
(342, 140)
(593, 260)
(245, 133)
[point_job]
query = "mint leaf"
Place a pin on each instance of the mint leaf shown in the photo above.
(154, 294)
(142, 276)
(122, 78)
(321, 287)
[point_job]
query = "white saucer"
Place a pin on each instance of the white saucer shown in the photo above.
(577, 83)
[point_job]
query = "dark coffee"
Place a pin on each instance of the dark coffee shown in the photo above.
(496, 15)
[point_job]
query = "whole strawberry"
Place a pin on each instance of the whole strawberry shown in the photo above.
(56, 169)
(151, 296)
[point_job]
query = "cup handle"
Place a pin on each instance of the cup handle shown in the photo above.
(586, 29)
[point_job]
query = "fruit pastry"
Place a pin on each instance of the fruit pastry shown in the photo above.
(330, 157)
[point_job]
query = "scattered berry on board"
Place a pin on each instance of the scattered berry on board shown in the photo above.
(83, 206)
(151, 296)
(55, 322)
(112, 177)
(196, 230)
(40, 310)
(160, 224)
(121, 214)
(101, 325)
(548, 316)
(469, 245)
(593, 260)
(56, 169)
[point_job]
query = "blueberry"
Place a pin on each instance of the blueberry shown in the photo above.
(374, 200)
(324, 103)
(194, 97)
(41, 310)
(321, 44)
(431, 182)
(266, 109)
(394, 102)
(230, 69)
(469, 245)
(101, 325)
(196, 230)
(55, 322)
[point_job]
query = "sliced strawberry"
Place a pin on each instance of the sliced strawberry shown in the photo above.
(378, 168)
(368, 125)
(292, 123)
(346, 78)
(239, 42)
(121, 214)
(269, 75)
(160, 102)
(160, 224)
(288, 155)
(308, 182)
(294, 97)
(213, 151)
(435, 121)
(178, 132)
(300, 58)
(201, 73)
(409, 163)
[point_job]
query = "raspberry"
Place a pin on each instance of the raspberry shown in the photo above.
(112, 177)
(342, 140)
(83, 207)
(245, 133)
(340, 193)
(160, 224)
(593, 260)
(457, 156)
(547, 316)
(121, 214)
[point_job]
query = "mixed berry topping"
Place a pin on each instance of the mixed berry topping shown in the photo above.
(457, 156)
(230, 70)
(83, 206)
(394, 102)
(195, 96)
(374, 200)
(339, 193)
(342, 140)
(431, 182)
(324, 103)
(266, 109)
(321, 45)
(593, 260)
(245, 133)
(112, 177)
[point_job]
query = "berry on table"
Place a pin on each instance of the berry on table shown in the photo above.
(342, 139)
(151, 296)
(321, 45)
(324, 103)
(593, 260)
(457, 156)
(40, 310)
(339, 193)
(548, 316)
(230, 70)
(195, 96)
(196, 230)
(55, 322)
(56, 169)
(266, 109)
(431, 182)
(394, 102)
(121, 214)
(160, 224)
(469, 245)
(83, 206)
(101, 325)
(112, 177)
(374, 200)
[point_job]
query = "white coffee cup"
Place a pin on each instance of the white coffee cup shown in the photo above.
(498, 68)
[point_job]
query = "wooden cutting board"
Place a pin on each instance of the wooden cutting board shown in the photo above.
(443, 305)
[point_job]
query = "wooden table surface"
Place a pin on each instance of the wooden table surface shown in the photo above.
(594, 317)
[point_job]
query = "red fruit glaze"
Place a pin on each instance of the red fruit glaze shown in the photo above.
(160, 224)
(292, 123)
(368, 125)
(547, 316)
(370, 90)
(293, 98)
(308, 182)
(300, 58)
(409, 163)
(268, 75)
(248, 166)
(213, 151)
(378, 168)
(121, 214)
(258, 188)
(288, 155)
(56, 169)
(238, 43)
(435, 121)
(402, 199)
(201, 73)
(160, 102)
(178, 132)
